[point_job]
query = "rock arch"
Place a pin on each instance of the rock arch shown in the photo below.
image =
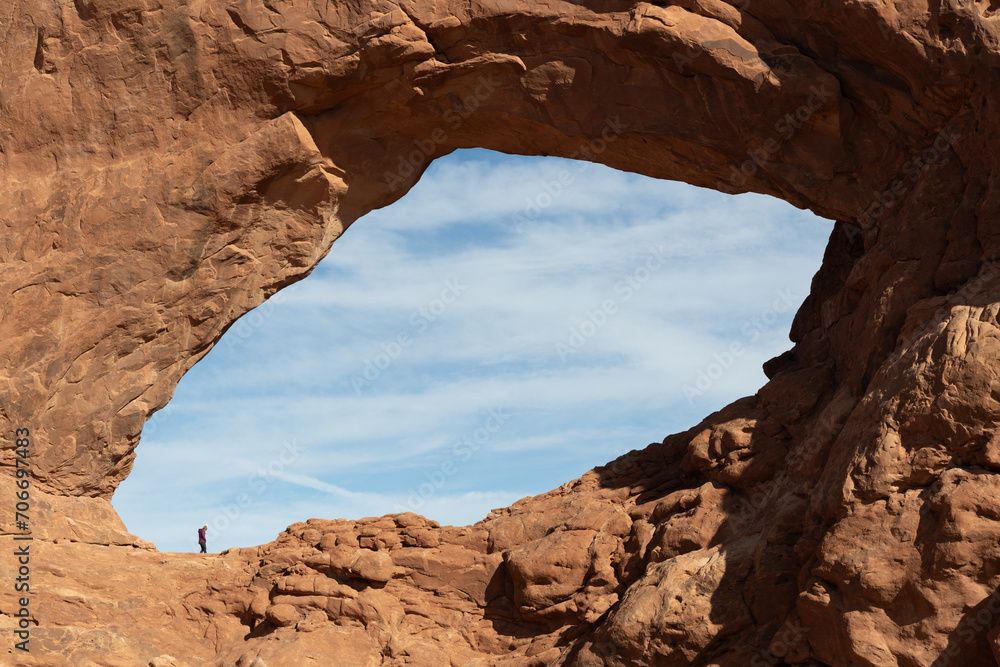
(166, 167)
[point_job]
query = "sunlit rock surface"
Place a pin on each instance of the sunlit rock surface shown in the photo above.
(165, 167)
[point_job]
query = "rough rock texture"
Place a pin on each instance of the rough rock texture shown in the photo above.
(165, 167)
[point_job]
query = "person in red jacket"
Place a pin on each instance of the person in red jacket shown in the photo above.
(201, 538)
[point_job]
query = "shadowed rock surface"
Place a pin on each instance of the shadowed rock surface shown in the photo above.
(167, 166)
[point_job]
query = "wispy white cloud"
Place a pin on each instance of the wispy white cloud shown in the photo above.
(483, 300)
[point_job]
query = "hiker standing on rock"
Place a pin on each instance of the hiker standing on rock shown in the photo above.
(201, 538)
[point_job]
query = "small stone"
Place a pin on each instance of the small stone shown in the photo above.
(373, 566)
(282, 615)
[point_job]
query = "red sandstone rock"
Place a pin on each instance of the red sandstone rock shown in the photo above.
(165, 167)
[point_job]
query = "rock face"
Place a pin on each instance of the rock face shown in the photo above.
(166, 166)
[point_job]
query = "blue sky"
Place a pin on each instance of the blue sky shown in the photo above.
(509, 324)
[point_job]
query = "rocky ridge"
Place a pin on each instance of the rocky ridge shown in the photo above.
(165, 167)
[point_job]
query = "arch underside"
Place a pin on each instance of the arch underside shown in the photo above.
(168, 167)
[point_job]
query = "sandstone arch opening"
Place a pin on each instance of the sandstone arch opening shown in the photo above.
(148, 154)
(509, 324)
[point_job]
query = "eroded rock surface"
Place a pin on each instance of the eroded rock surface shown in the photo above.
(167, 166)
